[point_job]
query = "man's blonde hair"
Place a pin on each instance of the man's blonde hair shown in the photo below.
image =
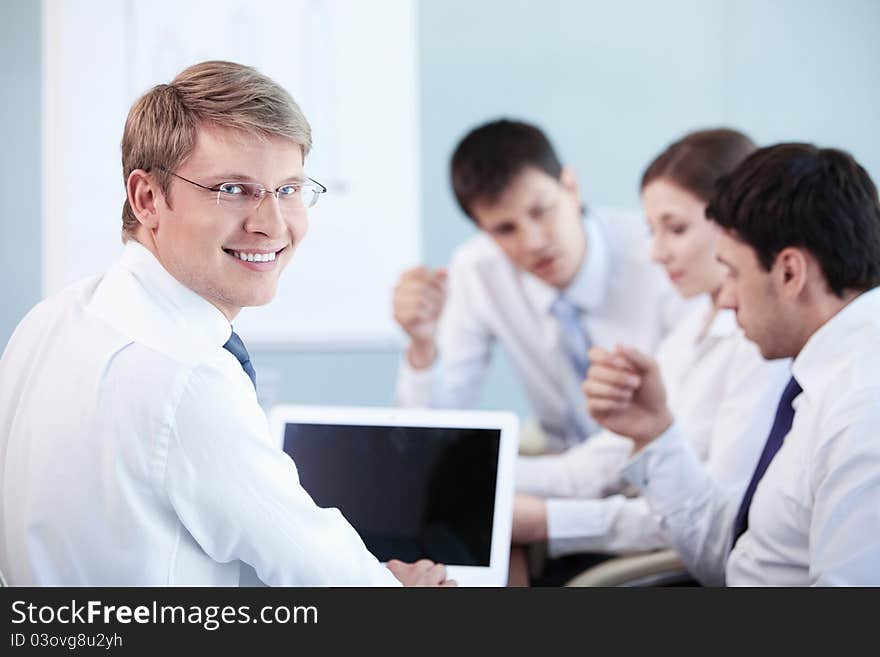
(162, 126)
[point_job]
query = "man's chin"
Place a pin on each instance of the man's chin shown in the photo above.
(255, 298)
(768, 352)
(556, 278)
(255, 302)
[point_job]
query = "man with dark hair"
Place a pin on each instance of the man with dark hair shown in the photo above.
(543, 277)
(802, 247)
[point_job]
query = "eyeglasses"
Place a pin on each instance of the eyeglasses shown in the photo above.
(246, 196)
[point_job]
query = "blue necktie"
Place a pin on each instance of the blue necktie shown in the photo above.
(781, 427)
(235, 346)
(576, 343)
(574, 336)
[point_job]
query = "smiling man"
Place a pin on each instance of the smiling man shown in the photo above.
(132, 447)
(544, 278)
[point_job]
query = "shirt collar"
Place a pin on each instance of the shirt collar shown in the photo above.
(723, 324)
(589, 287)
(833, 340)
(182, 312)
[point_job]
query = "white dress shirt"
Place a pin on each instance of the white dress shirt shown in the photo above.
(133, 450)
(624, 298)
(815, 515)
(720, 390)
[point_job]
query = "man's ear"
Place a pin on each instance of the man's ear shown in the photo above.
(143, 197)
(792, 265)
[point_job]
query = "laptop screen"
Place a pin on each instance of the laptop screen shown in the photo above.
(410, 492)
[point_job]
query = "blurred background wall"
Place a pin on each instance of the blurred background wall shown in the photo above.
(611, 83)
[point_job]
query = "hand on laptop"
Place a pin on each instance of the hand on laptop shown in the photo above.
(625, 394)
(421, 573)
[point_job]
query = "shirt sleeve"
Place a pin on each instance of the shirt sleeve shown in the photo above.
(464, 348)
(588, 470)
(614, 524)
(743, 419)
(695, 512)
(239, 495)
(845, 521)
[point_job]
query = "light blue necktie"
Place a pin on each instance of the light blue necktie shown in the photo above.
(576, 342)
(574, 336)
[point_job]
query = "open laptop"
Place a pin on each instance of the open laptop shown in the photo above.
(415, 484)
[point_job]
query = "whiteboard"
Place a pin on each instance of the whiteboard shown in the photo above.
(350, 65)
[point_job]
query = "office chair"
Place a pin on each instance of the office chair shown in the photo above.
(658, 568)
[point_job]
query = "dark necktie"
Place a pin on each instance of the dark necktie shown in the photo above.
(235, 346)
(781, 426)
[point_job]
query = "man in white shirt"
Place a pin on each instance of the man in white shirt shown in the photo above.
(802, 246)
(132, 447)
(724, 395)
(540, 278)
